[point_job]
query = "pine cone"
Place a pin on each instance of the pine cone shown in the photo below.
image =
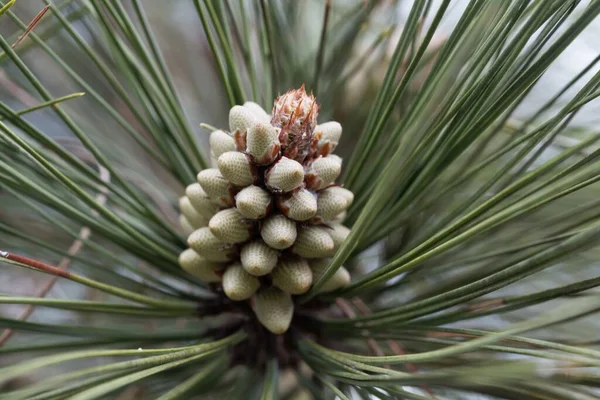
(271, 209)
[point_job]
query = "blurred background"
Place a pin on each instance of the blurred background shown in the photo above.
(189, 60)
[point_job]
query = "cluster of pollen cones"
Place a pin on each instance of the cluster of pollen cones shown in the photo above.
(265, 222)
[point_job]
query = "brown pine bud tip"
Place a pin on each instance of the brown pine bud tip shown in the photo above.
(323, 172)
(279, 232)
(340, 279)
(285, 175)
(192, 263)
(190, 213)
(299, 205)
(210, 247)
(313, 242)
(295, 113)
(230, 226)
(338, 233)
(241, 119)
(216, 187)
(186, 227)
(274, 309)
(257, 258)
(253, 202)
(200, 200)
(236, 168)
(330, 204)
(221, 142)
(260, 114)
(262, 143)
(238, 284)
(292, 276)
(328, 134)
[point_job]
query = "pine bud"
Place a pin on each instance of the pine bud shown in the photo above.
(238, 284)
(193, 217)
(241, 119)
(329, 205)
(292, 276)
(286, 175)
(186, 227)
(257, 258)
(200, 200)
(323, 172)
(260, 114)
(313, 242)
(210, 247)
(340, 279)
(278, 232)
(262, 143)
(274, 309)
(295, 113)
(342, 192)
(338, 219)
(194, 264)
(216, 187)
(338, 233)
(236, 168)
(300, 205)
(253, 202)
(221, 142)
(230, 226)
(328, 134)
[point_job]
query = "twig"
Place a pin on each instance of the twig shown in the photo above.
(392, 344)
(346, 309)
(31, 25)
(64, 263)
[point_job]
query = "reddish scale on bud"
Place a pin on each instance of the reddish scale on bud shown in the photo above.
(295, 113)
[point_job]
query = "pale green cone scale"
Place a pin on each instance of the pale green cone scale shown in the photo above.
(330, 205)
(262, 143)
(241, 119)
(328, 134)
(185, 225)
(279, 232)
(274, 309)
(313, 242)
(285, 175)
(207, 245)
(203, 269)
(230, 226)
(338, 233)
(216, 187)
(292, 275)
(236, 168)
(253, 202)
(221, 142)
(323, 172)
(300, 205)
(191, 215)
(258, 258)
(340, 279)
(200, 200)
(239, 284)
(259, 113)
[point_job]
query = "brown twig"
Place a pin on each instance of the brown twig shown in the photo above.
(392, 344)
(63, 265)
(346, 309)
(31, 25)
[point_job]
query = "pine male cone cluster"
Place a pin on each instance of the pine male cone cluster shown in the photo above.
(265, 222)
